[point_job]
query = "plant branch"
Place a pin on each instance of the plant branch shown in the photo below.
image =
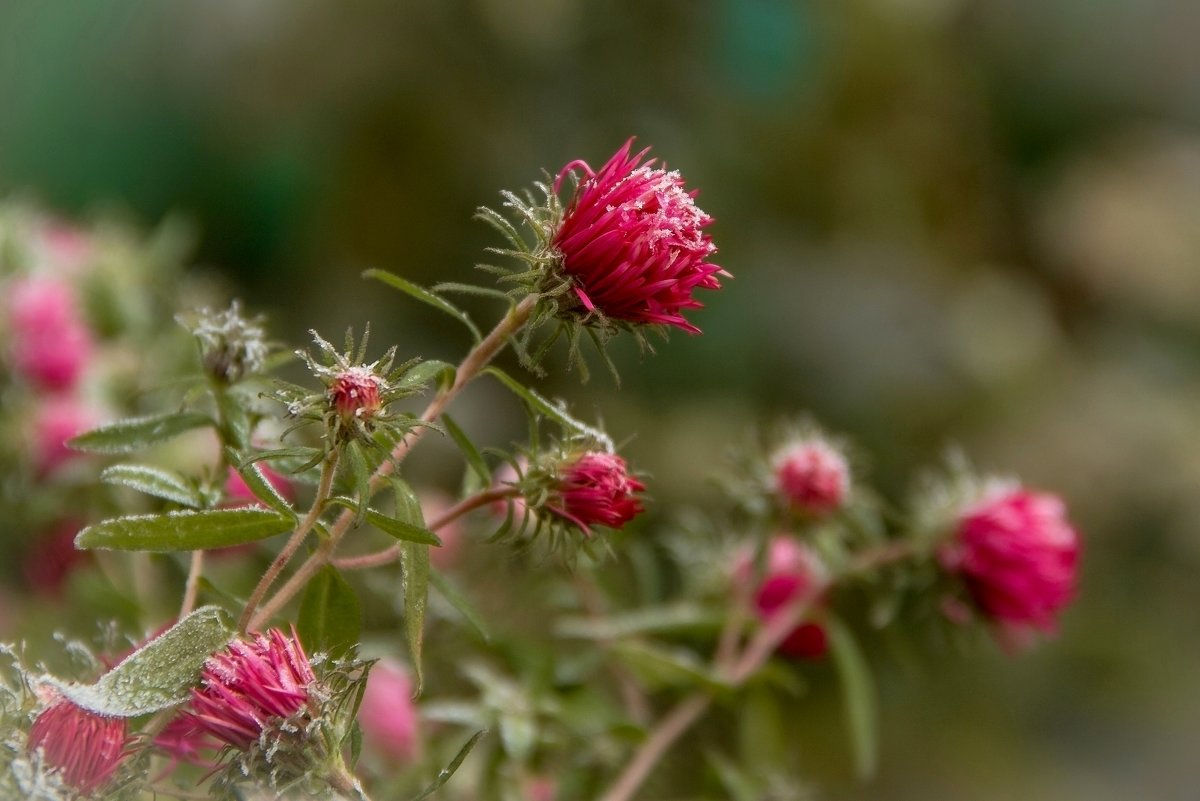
(668, 730)
(191, 589)
(475, 361)
(392, 553)
(328, 469)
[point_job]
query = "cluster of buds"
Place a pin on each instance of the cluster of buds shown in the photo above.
(810, 477)
(792, 573)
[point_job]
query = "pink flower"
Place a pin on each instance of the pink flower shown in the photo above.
(632, 240)
(792, 571)
(185, 741)
(51, 345)
(387, 715)
(238, 493)
(52, 557)
(435, 504)
(57, 420)
(250, 684)
(1018, 556)
(84, 747)
(355, 393)
(596, 488)
(811, 476)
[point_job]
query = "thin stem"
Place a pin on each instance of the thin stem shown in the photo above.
(192, 589)
(668, 730)
(391, 553)
(688, 711)
(328, 470)
(880, 556)
(470, 367)
(631, 694)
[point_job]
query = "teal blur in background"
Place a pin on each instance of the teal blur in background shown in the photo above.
(949, 222)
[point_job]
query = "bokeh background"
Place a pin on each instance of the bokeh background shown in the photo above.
(971, 222)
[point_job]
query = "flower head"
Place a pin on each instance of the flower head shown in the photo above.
(596, 488)
(811, 476)
(792, 572)
(1018, 557)
(50, 343)
(633, 244)
(354, 393)
(84, 747)
(387, 715)
(231, 346)
(249, 686)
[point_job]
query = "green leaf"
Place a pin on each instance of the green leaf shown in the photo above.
(408, 505)
(292, 460)
(402, 530)
(414, 572)
(183, 531)
(425, 296)
(547, 409)
(135, 433)
(469, 451)
(165, 484)
(263, 489)
(235, 419)
(459, 601)
(330, 614)
(448, 771)
(858, 694)
(360, 480)
(663, 666)
(684, 617)
(160, 673)
(427, 371)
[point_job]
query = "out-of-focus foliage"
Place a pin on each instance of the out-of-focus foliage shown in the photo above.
(948, 221)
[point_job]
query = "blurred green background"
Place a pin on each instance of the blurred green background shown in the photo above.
(949, 221)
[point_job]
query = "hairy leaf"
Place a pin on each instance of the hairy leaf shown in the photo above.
(414, 571)
(160, 673)
(330, 614)
(160, 483)
(136, 433)
(183, 531)
(425, 296)
(445, 773)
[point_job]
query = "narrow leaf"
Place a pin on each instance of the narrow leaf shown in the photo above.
(160, 673)
(459, 601)
(154, 481)
(414, 572)
(183, 531)
(136, 433)
(448, 771)
(408, 505)
(678, 618)
(263, 489)
(402, 530)
(426, 371)
(665, 666)
(425, 296)
(469, 451)
(544, 407)
(858, 694)
(235, 419)
(360, 480)
(330, 617)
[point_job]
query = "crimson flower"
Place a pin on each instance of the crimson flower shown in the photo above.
(1018, 556)
(792, 572)
(83, 746)
(250, 684)
(632, 241)
(811, 476)
(355, 393)
(596, 488)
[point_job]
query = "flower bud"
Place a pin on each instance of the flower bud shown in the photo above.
(633, 244)
(1018, 557)
(84, 747)
(354, 393)
(249, 685)
(231, 346)
(596, 488)
(792, 572)
(388, 715)
(811, 477)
